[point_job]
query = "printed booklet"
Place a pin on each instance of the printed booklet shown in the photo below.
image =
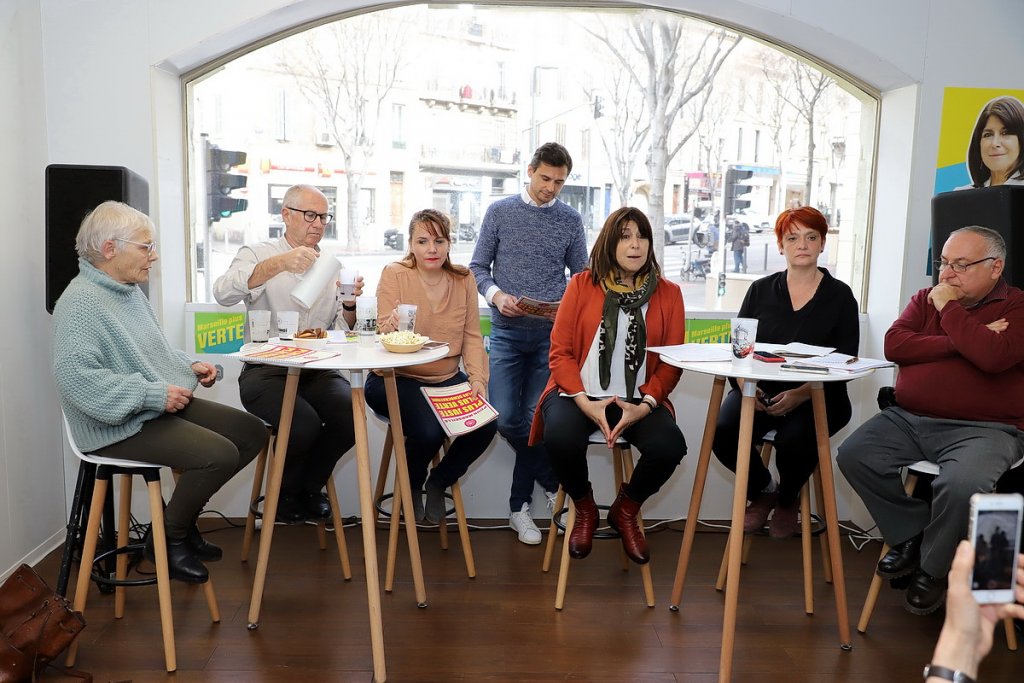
(281, 352)
(457, 409)
(537, 309)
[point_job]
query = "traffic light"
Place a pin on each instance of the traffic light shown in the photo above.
(598, 107)
(220, 183)
(736, 190)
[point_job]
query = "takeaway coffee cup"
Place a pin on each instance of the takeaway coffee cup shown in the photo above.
(287, 324)
(366, 319)
(314, 280)
(406, 317)
(259, 326)
(744, 332)
(348, 284)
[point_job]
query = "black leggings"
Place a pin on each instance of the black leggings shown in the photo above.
(567, 431)
(207, 441)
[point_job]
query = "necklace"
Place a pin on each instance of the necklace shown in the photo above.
(427, 282)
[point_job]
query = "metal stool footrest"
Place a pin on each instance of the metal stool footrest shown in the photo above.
(103, 579)
(386, 512)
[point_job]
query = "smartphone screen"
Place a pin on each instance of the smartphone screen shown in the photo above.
(995, 535)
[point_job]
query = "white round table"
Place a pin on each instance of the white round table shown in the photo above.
(751, 374)
(356, 359)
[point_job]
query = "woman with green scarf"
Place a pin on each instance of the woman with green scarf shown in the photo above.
(603, 378)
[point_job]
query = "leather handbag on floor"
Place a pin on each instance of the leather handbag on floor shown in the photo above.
(36, 625)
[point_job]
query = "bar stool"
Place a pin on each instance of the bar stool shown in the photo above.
(913, 474)
(379, 496)
(767, 446)
(263, 462)
(106, 468)
(622, 465)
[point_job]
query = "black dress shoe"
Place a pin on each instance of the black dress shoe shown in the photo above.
(290, 510)
(182, 563)
(316, 506)
(901, 559)
(204, 550)
(926, 593)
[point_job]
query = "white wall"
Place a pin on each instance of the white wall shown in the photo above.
(96, 81)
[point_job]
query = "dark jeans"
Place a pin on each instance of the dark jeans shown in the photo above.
(207, 441)
(519, 372)
(796, 445)
(566, 433)
(322, 429)
(423, 433)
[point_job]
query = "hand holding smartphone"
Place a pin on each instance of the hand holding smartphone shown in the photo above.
(995, 531)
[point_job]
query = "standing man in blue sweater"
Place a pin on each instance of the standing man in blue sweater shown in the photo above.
(526, 243)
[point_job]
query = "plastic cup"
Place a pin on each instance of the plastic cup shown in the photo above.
(259, 326)
(366, 319)
(287, 324)
(406, 317)
(744, 332)
(347, 278)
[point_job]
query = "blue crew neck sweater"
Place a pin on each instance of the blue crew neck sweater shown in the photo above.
(111, 361)
(525, 249)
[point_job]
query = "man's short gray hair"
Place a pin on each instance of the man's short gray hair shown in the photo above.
(109, 221)
(995, 241)
(291, 196)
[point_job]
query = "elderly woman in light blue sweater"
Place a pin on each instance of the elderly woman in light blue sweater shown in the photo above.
(127, 394)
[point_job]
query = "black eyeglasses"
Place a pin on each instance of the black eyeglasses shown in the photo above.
(311, 216)
(150, 247)
(941, 265)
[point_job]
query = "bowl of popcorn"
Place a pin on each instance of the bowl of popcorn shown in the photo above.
(311, 338)
(403, 342)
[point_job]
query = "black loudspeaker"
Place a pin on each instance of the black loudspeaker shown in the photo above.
(72, 192)
(1000, 208)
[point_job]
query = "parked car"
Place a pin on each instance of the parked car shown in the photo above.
(757, 222)
(677, 228)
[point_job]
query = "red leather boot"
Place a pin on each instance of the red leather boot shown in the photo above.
(581, 540)
(623, 518)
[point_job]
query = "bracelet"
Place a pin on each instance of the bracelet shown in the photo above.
(946, 674)
(650, 401)
(346, 307)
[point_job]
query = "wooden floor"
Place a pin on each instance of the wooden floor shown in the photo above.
(502, 626)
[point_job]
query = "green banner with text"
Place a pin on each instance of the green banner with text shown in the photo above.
(219, 332)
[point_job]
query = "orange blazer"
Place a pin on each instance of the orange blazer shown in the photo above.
(578, 319)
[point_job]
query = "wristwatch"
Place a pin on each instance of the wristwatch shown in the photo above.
(946, 674)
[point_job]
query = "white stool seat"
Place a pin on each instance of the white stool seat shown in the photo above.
(597, 439)
(100, 460)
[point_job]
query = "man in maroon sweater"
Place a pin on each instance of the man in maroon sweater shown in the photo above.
(960, 393)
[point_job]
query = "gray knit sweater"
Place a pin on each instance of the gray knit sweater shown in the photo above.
(111, 361)
(525, 249)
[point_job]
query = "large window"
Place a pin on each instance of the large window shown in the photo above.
(433, 105)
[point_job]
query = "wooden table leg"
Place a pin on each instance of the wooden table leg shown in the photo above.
(714, 405)
(739, 504)
(830, 512)
(366, 512)
(291, 388)
(402, 471)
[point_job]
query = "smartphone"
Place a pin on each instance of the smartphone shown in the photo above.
(434, 345)
(765, 399)
(766, 357)
(995, 536)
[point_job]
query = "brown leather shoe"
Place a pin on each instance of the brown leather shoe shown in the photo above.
(581, 540)
(623, 518)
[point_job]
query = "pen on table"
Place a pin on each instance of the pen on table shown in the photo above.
(852, 360)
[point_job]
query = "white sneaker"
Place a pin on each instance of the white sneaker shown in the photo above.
(551, 498)
(522, 523)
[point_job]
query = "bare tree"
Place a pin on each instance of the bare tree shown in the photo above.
(674, 62)
(803, 88)
(346, 71)
(626, 130)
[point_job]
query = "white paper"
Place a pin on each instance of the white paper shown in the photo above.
(794, 349)
(694, 352)
(841, 362)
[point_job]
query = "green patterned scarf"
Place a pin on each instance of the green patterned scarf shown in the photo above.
(630, 299)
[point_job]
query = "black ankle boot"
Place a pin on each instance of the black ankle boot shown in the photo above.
(203, 549)
(182, 562)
